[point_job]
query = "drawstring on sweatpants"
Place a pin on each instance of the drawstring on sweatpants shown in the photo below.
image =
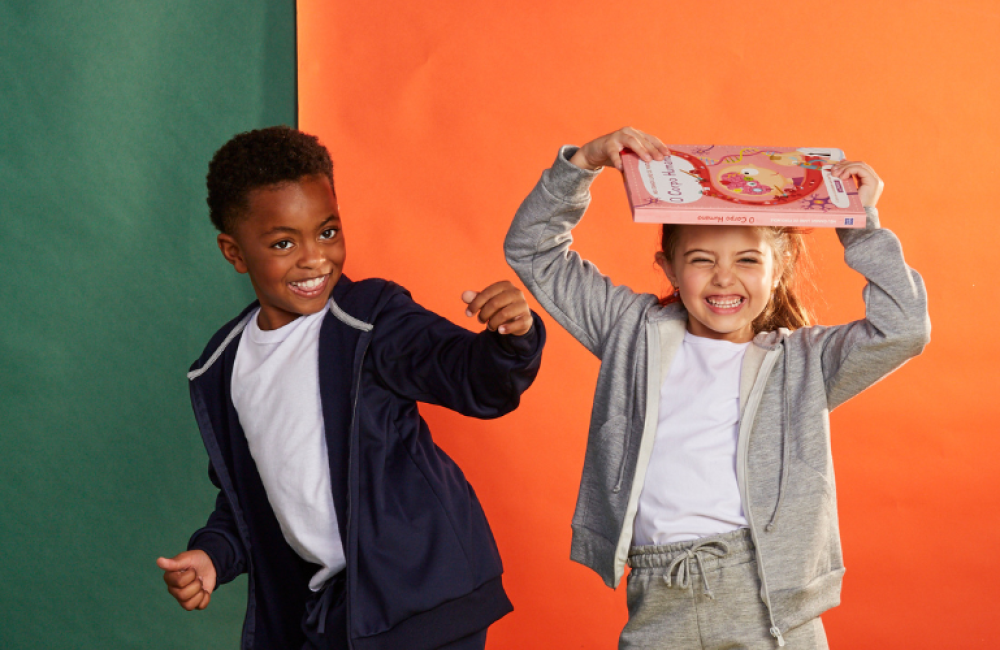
(679, 571)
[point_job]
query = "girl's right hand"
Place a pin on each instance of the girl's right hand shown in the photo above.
(606, 150)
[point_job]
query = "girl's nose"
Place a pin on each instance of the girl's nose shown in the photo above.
(723, 276)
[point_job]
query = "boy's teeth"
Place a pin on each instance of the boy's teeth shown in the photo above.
(310, 284)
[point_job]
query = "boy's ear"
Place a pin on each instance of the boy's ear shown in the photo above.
(231, 251)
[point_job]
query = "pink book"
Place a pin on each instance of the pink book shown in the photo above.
(752, 186)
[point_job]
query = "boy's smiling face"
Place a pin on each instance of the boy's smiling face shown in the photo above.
(290, 242)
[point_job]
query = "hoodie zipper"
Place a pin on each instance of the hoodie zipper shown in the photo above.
(646, 440)
(742, 468)
(365, 328)
(350, 473)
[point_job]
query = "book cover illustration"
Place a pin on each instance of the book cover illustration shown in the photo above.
(761, 186)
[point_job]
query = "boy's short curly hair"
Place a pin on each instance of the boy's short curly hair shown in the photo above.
(258, 158)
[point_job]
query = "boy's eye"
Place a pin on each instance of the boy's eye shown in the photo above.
(282, 245)
(329, 233)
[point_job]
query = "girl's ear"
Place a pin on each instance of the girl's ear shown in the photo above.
(667, 267)
(781, 263)
(231, 251)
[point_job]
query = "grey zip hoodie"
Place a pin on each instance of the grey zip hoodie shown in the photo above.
(790, 383)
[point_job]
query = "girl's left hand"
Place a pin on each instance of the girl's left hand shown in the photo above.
(869, 184)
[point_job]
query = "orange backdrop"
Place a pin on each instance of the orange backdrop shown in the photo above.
(441, 115)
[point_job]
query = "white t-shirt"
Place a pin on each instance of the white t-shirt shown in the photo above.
(275, 391)
(690, 489)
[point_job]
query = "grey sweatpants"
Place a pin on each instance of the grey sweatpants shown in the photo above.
(704, 595)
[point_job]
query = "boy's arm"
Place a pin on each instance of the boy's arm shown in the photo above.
(424, 357)
(537, 246)
(896, 326)
(220, 538)
(214, 557)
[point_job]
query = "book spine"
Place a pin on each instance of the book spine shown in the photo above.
(656, 214)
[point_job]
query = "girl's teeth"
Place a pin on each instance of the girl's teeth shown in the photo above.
(725, 304)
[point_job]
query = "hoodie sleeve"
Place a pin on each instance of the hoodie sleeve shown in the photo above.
(896, 326)
(537, 247)
(427, 358)
(219, 539)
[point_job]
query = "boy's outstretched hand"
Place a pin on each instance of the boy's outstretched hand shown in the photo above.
(606, 150)
(190, 578)
(501, 306)
(869, 184)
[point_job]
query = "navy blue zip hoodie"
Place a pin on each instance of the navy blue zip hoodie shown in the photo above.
(423, 568)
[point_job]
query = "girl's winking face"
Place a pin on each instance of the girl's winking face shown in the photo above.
(725, 275)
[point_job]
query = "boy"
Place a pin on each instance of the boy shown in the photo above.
(355, 529)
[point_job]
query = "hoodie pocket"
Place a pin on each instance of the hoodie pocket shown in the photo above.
(613, 440)
(810, 512)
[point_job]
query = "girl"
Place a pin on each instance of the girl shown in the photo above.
(708, 467)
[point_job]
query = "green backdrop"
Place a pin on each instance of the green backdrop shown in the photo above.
(111, 285)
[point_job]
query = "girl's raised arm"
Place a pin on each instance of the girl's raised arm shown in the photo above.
(896, 326)
(537, 246)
